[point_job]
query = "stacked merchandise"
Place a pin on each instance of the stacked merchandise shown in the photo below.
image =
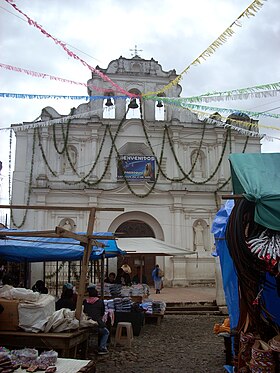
(139, 290)
(125, 291)
(115, 290)
(147, 306)
(158, 307)
(123, 304)
(109, 304)
(110, 290)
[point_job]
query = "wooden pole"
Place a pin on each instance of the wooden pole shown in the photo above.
(102, 275)
(85, 262)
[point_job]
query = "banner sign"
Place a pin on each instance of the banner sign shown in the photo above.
(136, 167)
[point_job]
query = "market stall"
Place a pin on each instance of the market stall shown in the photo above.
(58, 244)
(247, 234)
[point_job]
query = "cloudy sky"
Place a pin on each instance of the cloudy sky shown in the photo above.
(173, 32)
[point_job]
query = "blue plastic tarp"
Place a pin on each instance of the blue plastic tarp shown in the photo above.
(229, 276)
(40, 249)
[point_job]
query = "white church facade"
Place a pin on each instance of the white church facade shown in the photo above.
(165, 167)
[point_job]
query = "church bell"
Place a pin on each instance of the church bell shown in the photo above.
(133, 104)
(109, 102)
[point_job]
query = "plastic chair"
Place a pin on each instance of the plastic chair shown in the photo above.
(124, 334)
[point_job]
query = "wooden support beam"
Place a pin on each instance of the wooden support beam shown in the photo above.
(85, 262)
(61, 232)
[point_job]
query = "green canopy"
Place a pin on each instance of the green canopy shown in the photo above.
(257, 177)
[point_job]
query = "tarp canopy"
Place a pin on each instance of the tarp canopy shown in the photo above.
(257, 177)
(42, 249)
(149, 245)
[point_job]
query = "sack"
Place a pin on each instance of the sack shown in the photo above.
(160, 273)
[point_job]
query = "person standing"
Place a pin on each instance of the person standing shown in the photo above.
(157, 277)
(94, 307)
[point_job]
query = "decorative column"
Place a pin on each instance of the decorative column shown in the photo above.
(176, 151)
(220, 141)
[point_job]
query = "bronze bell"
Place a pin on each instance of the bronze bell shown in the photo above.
(133, 104)
(109, 102)
(159, 104)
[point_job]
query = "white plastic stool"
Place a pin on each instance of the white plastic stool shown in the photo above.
(124, 340)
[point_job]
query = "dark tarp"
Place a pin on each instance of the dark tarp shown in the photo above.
(257, 177)
(42, 249)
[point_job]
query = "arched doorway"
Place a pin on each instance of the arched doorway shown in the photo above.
(137, 228)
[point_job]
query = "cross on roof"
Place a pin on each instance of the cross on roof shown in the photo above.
(135, 51)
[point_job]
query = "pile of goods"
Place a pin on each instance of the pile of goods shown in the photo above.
(27, 358)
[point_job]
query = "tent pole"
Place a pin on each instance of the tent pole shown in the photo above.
(102, 274)
(141, 268)
(85, 261)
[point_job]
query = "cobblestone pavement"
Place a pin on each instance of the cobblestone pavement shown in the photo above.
(182, 343)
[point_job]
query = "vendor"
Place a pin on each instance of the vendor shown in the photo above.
(111, 278)
(123, 277)
(94, 307)
(67, 298)
(40, 287)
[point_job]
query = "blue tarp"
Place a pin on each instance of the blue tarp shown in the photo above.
(229, 277)
(40, 249)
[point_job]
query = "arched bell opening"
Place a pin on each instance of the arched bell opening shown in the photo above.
(133, 105)
(109, 108)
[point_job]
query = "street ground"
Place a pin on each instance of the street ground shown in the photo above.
(182, 343)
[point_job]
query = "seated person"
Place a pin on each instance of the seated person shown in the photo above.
(94, 307)
(123, 278)
(137, 278)
(40, 287)
(111, 278)
(67, 298)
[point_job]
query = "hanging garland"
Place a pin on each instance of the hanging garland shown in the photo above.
(65, 136)
(228, 180)
(260, 91)
(59, 97)
(93, 183)
(68, 51)
(250, 11)
(29, 186)
(177, 103)
(125, 178)
(43, 153)
(83, 179)
(51, 77)
(185, 175)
